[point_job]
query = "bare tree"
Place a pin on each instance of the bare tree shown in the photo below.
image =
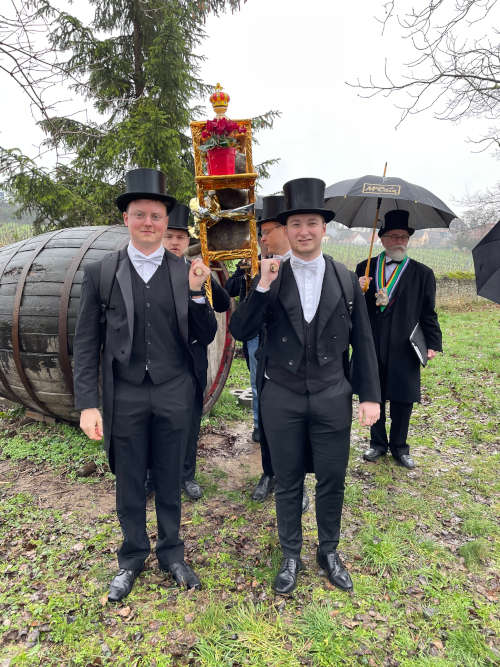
(27, 56)
(456, 68)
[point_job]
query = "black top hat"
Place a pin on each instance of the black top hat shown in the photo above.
(178, 217)
(145, 184)
(396, 219)
(305, 195)
(271, 207)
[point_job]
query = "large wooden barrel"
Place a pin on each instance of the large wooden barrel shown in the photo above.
(40, 284)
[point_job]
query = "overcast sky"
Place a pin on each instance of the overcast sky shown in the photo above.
(295, 57)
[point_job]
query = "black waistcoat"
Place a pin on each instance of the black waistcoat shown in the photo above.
(156, 346)
(310, 376)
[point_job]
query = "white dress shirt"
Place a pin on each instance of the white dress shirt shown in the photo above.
(390, 266)
(145, 265)
(309, 278)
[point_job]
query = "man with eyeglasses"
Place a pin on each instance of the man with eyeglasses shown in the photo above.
(145, 325)
(401, 293)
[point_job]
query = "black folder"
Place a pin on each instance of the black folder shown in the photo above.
(417, 340)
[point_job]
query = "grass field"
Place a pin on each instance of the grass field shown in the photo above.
(11, 232)
(443, 261)
(422, 546)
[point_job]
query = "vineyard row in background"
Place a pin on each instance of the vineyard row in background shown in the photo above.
(444, 261)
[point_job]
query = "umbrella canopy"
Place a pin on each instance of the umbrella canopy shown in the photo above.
(486, 256)
(355, 201)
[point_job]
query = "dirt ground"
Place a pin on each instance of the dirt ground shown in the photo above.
(231, 452)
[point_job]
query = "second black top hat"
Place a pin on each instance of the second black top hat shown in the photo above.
(305, 195)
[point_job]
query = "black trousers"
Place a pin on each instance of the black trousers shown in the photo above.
(400, 420)
(265, 455)
(290, 421)
(192, 443)
(150, 426)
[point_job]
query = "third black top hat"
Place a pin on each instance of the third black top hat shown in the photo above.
(271, 208)
(305, 195)
(178, 217)
(145, 184)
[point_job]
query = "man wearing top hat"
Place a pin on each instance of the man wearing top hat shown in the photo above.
(154, 313)
(275, 238)
(311, 309)
(176, 240)
(401, 293)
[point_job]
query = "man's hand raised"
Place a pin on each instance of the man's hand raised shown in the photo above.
(268, 272)
(198, 273)
(91, 423)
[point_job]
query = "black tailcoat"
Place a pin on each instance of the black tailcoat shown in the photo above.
(306, 405)
(196, 322)
(412, 301)
(280, 313)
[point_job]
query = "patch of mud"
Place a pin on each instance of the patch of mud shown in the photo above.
(55, 491)
(230, 451)
(233, 452)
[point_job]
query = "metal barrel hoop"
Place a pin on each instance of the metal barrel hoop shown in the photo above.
(16, 344)
(64, 357)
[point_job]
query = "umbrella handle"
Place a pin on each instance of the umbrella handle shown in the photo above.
(367, 270)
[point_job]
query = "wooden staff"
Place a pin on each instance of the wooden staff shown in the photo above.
(367, 270)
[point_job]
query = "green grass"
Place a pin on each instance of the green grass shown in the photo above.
(422, 547)
(11, 232)
(449, 262)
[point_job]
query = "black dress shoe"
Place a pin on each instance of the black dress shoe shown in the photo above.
(286, 579)
(264, 487)
(184, 575)
(373, 454)
(122, 584)
(305, 501)
(406, 461)
(335, 570)
(256, 435)
(192, 489)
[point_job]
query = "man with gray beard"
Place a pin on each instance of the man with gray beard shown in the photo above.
(401, 293)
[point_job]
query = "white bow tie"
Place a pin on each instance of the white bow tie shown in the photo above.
(298, 264)
(154, 259)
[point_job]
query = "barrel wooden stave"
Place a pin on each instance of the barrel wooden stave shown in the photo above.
(40, 319)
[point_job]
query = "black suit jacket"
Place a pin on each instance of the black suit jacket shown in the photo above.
(196, 322)
(413, 301)
(279, 312)
(221, 303)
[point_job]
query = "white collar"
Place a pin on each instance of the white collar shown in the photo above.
(134, 253)
(317, 262)
(285, 256)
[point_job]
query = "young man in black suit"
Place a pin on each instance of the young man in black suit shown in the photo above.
(311, 310)
(145, 332)
(176, 240)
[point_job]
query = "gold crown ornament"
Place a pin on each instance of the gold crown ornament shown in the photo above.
(219, 100)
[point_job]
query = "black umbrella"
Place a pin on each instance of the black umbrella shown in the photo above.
(360, 202)
(486, 256)
(355, 202)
